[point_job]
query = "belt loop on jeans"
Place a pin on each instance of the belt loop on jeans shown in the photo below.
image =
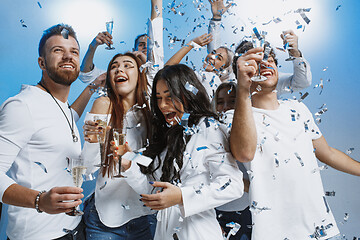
(71, 233)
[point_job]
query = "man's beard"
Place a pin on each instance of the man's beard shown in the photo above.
(65, 78)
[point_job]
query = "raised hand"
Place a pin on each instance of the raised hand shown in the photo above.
(102, 38)
(291, 38)
(218, 8)
(203, 40)
(247, 65)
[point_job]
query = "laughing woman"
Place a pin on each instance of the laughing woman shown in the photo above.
(114, 211)
(192, 170)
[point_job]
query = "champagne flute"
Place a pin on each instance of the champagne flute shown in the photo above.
(258, 40)
(287, 47)
(78, 171)
(102, 122)
(109, 28)
(119, 135)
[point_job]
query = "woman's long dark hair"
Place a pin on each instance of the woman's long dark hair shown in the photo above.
(172, 138)
(117, 111)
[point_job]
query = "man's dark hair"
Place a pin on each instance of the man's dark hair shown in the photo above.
(245, 46)
(137, 39)
(56, 30)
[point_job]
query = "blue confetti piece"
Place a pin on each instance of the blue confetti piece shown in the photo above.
(191, 88)
(286, 45)
(102, 187)
(185, 119)
(39, 4)
(201, 148)
(42, 166)
(224, 186)
(257, 34)
(338, 7)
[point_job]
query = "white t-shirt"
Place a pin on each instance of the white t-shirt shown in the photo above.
(35, 140)
(116, 202)
(286, 191)
(209, 178)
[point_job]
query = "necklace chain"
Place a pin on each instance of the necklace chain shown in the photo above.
(75, 138)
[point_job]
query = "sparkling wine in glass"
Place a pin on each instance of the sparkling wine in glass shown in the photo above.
(258, 40)
(78, 171)
(109, 29)
(119, 135)
(102, 122)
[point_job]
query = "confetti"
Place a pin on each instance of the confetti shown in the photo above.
(235, 227)
(306, 19)
(276, 160)
(326, 205)
(255, 209)
(277, 20)
(330, 194)
(42, 166)
(266, 124)
(224, 186)
(198, 188)
(23, 23)
(65, 33)
(201, 148)
(126, 207)
(338, 7)
(320, 231)
(299, 158)
(349, 151)
(39, 4)
(257, 34)
(318, 169)
(321, 112)
(102, 187)
(303, 96)
(191, 88)
(346, 218)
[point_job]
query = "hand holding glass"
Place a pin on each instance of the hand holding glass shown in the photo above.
(77, 171)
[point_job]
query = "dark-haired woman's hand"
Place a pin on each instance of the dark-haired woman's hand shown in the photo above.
(169, 196)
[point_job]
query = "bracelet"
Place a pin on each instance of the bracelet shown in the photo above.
(37, 201)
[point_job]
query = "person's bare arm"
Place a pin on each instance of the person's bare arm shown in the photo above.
(57, 200)
(102, 38)
(179, 55)
(80, 103)
(335, 158)
(156, 9)
(243, 136)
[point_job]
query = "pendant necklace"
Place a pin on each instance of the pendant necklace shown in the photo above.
(75, 138)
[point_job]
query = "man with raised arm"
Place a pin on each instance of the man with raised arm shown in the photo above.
(279, 143)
